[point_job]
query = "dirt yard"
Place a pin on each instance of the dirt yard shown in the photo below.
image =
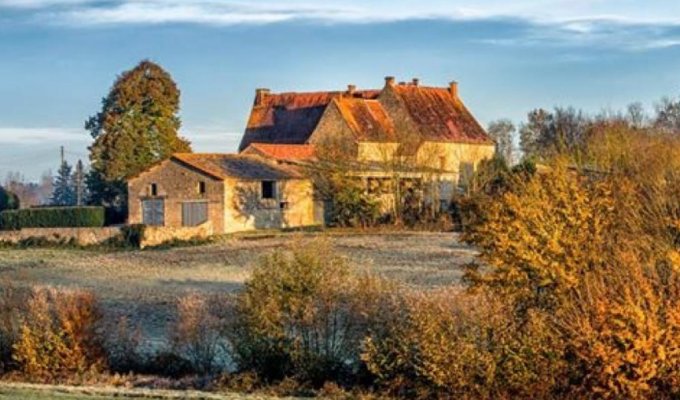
(144, 285)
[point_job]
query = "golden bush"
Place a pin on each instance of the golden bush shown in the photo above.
(453, 344)
(303, 314)
(58, 338)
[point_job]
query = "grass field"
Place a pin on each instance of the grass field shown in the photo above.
(18, 391)
(144, 285)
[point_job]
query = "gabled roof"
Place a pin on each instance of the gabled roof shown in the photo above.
(367, 119)
(240, 166)
(282, 152)
(439, 115)
(289, 118)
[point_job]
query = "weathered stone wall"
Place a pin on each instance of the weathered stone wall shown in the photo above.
(246, 210)
(157, 235)
(452, 157)
(79, 236)
(332, 137)
(176, 183)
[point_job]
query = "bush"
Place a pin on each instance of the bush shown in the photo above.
(58, 339)
(302, 315)
(8, 200)
(451, 344)
(57, 217)
(622, 328)
(12, 301)
(352, 207)
(196, 335)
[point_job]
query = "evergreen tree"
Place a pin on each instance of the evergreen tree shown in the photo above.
(8, 200)
(137, 126)
(64, 193)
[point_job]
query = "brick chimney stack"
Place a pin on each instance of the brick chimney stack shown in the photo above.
(416, 82)
(260, 95)
(351, 89)
(453, 88)
(389, 81)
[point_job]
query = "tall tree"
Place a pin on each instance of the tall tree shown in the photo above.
(137, 126)
(545, 133)
(64, 193)
(530, 132)
(668, 115)
(503, 132)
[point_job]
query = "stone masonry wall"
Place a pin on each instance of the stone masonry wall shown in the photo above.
(176, 183)
(80, 236)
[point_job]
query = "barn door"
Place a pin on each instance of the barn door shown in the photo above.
(194, 213)
(153, 212)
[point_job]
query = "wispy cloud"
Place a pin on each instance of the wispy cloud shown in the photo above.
(20, 135)
(615, 24)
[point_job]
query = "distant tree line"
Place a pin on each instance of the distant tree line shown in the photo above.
(546, 133)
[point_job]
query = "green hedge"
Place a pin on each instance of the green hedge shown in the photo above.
(52, 217)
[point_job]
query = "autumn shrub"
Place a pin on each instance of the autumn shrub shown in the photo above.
(538, 239)
(622, 329)
(12, 300)
(58, 338)
(302, 314)
(453, 344)
(196, 335)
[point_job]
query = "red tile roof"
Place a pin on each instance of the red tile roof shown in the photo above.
(367, 119)
(281, 152)
(289, 118)
(440, 116)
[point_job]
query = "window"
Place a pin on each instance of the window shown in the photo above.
(153, 189)
(153, 212)
(194, 213)
(201, 187)
(268, 189)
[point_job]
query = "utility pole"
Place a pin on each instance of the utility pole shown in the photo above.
(79, 183)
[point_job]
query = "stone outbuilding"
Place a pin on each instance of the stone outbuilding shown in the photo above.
(229, 191)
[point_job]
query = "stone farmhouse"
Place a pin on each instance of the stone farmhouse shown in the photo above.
(405, 132)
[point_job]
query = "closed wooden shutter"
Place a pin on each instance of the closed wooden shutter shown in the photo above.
(153, 212)
(194, 213)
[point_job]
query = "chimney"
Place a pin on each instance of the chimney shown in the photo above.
(453, 88)
(351, 89)
(416, 82)
(260, 95)
(389, 81)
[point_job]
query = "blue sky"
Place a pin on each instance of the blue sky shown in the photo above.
(59, 57)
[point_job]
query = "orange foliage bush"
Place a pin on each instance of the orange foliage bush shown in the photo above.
(452, 344)
(58, 338)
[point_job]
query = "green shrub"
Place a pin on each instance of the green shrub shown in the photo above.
(302, 315)
(352, 207)
(8, 200)
(52, 217)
